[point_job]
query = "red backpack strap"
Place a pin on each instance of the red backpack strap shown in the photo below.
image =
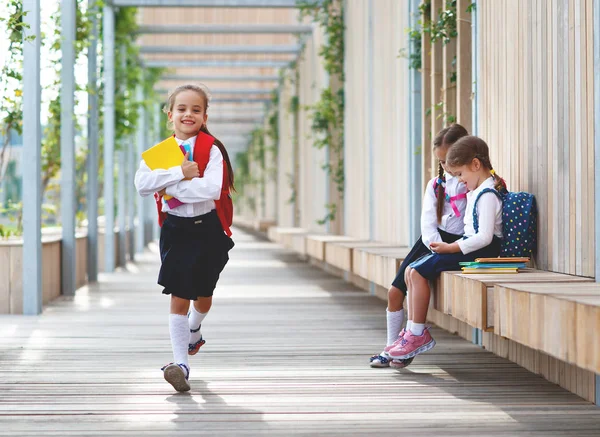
(161, 215)
(204, 142)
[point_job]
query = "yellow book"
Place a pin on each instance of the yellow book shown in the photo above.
(165, 154)
(467, 270)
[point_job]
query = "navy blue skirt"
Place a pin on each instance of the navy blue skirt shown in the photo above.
(194, 252)
(430, 266)
(418, 251)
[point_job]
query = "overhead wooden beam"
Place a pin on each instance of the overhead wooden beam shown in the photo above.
(223, 49)
(207, 3)
(227, 29)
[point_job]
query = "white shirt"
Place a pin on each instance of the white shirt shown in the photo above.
(489, 213)
(450, 221)
(197, 194)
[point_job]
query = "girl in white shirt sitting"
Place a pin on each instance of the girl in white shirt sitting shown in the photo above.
(469, 160)
(442, 218)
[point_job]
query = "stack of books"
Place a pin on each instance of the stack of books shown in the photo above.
(164, 155)
(494, 265)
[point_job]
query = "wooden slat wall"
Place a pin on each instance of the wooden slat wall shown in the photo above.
(356, 132)
(537, 110)
(285, 155)
(388, 133)
(312, 192)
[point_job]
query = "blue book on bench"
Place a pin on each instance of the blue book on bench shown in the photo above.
(476, 265)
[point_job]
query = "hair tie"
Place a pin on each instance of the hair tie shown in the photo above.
(492, 172)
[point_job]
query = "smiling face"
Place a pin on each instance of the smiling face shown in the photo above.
(471, 174)
(188, 114)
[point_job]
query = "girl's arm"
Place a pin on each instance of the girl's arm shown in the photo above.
(205, 188)
(429, 224)
(488, 208)
(148, 181)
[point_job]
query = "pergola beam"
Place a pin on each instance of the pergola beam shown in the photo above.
(168, 63)
(201, 78)
(225, 91)
(223, 49)
(208, 3)
(250, 29)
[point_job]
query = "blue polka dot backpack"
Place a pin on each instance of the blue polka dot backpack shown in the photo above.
(519, 222)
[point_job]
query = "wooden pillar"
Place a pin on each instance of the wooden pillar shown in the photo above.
(437, 72)
(464, 109)
(425, 107)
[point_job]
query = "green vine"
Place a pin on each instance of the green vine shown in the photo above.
(11, 102)
(443, 29)
(327, 114)
(51, 157)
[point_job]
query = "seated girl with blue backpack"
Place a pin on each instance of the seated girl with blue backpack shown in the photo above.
(469, 160)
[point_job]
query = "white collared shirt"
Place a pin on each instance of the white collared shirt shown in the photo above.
(450, 221)
(489, 213)
(198, 194)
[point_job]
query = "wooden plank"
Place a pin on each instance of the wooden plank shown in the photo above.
(436, 91)
(361, 259)
(16, 280)
(536, 315)
(339, 254)
(4, 279)
(591, 157)
(449, 88)
(315, 244)
(464, 111)
(426, 99)
(470, 298)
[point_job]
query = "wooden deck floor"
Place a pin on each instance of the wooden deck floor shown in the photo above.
(286, 354)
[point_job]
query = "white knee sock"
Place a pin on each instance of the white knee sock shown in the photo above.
(195, 320)
(180, 338)
(417, 328)
(394, 325)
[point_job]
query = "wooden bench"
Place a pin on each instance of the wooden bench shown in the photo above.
(559, 319)
(470, 298)
(316, 244)
(340, 254)
(291, 238)
(378, 264)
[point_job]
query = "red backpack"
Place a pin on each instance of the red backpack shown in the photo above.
(224, 205)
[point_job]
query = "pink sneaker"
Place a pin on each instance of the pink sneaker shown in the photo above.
(401, 364)
(396, 343)
(412, 345)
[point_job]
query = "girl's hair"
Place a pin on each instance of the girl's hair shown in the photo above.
(445, 138)
(465, 150)
(206, 97)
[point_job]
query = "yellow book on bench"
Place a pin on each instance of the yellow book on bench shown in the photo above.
(165, 154)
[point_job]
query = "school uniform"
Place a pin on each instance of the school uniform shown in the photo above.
(483, 244)
(449, 230)
(193, 246)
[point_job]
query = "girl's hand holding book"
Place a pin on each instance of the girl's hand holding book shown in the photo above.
(189, 168)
